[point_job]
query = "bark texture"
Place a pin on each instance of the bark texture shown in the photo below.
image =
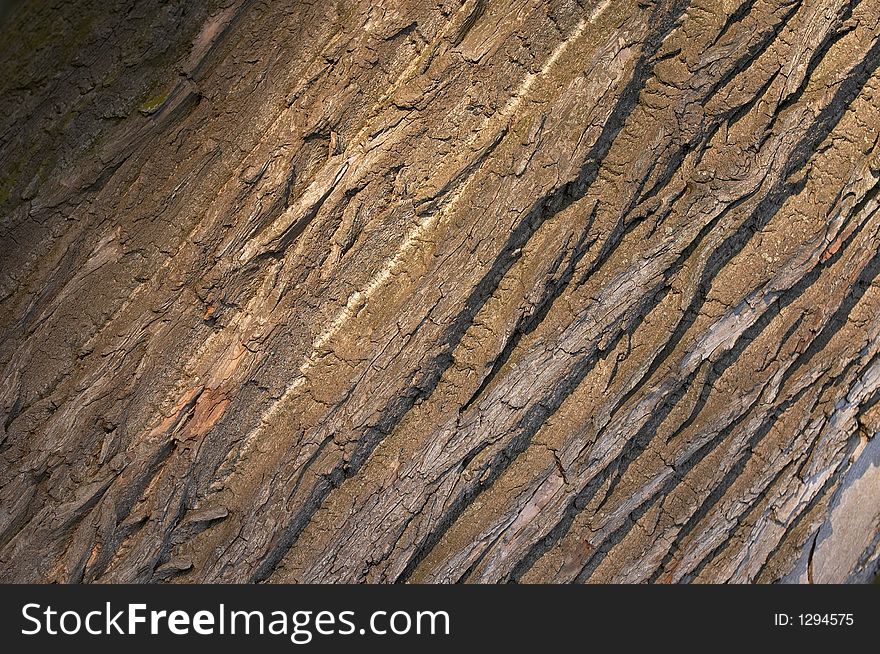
(483, 291)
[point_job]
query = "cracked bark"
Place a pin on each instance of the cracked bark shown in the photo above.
(482, 291)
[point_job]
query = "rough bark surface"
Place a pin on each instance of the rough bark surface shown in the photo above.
(483, 291)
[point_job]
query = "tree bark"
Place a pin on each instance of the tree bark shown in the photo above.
(481, 291)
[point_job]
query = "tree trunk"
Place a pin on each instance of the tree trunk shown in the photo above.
(483, 291)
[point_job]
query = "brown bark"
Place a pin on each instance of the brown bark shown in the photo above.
(485, 291)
